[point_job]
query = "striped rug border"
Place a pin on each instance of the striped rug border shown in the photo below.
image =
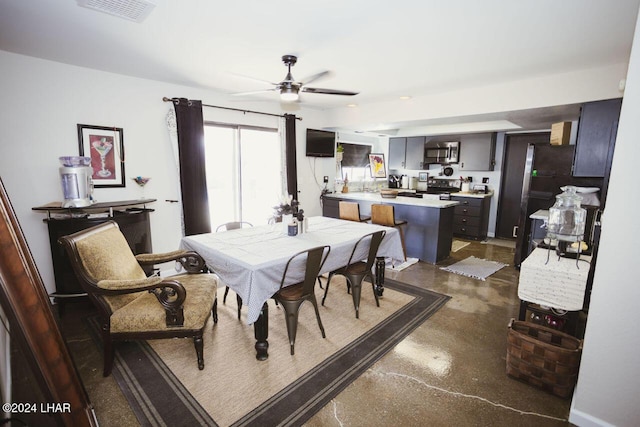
(136, 363)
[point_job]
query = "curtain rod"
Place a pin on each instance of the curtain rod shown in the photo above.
(165, 99)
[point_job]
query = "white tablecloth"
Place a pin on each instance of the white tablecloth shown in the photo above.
(251, 260)
(558, 283)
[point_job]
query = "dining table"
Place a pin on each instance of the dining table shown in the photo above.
(251, 261)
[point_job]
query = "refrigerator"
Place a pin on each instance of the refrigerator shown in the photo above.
(547, 169)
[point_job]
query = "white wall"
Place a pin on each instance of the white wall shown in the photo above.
(42, 103)
(544, 91)
(608, 386)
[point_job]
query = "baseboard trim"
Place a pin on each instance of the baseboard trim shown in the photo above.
(583, 419)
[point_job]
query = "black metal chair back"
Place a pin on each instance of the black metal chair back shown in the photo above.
(292, 296)
(356, 272)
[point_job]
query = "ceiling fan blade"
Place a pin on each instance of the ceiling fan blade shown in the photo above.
(253, 78)
(253, 92)
(315, 77)
(328, 91)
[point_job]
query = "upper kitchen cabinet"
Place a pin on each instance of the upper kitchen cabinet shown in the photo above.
(596, 138)
(406, 153)
(477, 152)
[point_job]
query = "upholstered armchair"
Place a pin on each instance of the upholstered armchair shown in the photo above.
(132, 305)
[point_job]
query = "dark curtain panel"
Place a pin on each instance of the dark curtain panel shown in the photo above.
(193, 180)
(292, 169)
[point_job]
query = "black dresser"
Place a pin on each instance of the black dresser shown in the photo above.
(132, 217)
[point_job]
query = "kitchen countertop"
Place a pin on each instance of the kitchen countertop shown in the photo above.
(427, 202)
(475, 195)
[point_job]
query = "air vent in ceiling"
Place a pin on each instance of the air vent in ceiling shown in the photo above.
(133, 10)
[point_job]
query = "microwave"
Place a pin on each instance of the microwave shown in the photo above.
(441, 152)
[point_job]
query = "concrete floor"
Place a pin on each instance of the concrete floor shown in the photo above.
(449, 371)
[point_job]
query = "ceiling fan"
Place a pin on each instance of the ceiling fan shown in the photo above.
(290, 89)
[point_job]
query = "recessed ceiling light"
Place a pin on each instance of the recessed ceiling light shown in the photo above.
(352, 105)
(405, 97)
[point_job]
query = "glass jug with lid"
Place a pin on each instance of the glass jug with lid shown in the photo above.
(566, 217)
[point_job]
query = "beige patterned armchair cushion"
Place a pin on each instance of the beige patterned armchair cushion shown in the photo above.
(145, 313)
(107, 256)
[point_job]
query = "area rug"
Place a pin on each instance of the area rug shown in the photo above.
(393, 265)
(163, 385)
(476, 268)
(456, 245)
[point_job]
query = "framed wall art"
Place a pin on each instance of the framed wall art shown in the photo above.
(105, 146)
(378, 168)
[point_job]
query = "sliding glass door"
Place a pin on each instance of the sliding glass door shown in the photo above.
(244, 173)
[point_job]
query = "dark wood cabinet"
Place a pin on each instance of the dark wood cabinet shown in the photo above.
(596, 138)
(133, 222)
(471, 217)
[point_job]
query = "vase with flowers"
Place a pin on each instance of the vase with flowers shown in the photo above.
(465, 185)
(283, 211)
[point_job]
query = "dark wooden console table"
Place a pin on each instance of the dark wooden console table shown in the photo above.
(132, 217)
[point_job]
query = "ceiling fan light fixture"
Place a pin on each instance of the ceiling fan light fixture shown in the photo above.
(288, 94)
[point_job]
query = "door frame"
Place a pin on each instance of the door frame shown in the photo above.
(503, 175)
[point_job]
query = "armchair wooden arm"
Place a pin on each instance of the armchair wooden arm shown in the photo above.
(170, 293)
(191, 261)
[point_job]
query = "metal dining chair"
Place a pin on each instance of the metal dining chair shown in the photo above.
(233, 225)
(356, 272)
(291, 297)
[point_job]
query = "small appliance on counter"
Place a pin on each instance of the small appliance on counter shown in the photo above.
(395, 181)
(77, 185)
(413, 183)
(441, 186)
(480, 188)
(404, 180)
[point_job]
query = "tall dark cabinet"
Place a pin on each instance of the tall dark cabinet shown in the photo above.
(586, 164)
(132, 217)
(547, 169)
(596, 138)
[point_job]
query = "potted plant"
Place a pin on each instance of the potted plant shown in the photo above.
(339, 152)
(284, 211)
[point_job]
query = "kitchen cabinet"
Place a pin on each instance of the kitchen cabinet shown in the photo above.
(471, 217)
(477, 152)
(330, 207)
(397, 150)
(406, 153)
(596, 138)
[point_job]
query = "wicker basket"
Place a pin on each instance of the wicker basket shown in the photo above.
(543, 357)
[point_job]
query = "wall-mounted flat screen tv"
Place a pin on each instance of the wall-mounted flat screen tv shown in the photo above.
(320, 143)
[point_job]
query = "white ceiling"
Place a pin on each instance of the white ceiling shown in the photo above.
(382, 49)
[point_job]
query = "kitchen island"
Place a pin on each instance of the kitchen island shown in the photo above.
(429, 228)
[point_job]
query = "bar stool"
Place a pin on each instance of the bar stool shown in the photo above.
(351, 212)
(385, 215)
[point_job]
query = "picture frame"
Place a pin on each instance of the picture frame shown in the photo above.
(105, 146)
(377, 165)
